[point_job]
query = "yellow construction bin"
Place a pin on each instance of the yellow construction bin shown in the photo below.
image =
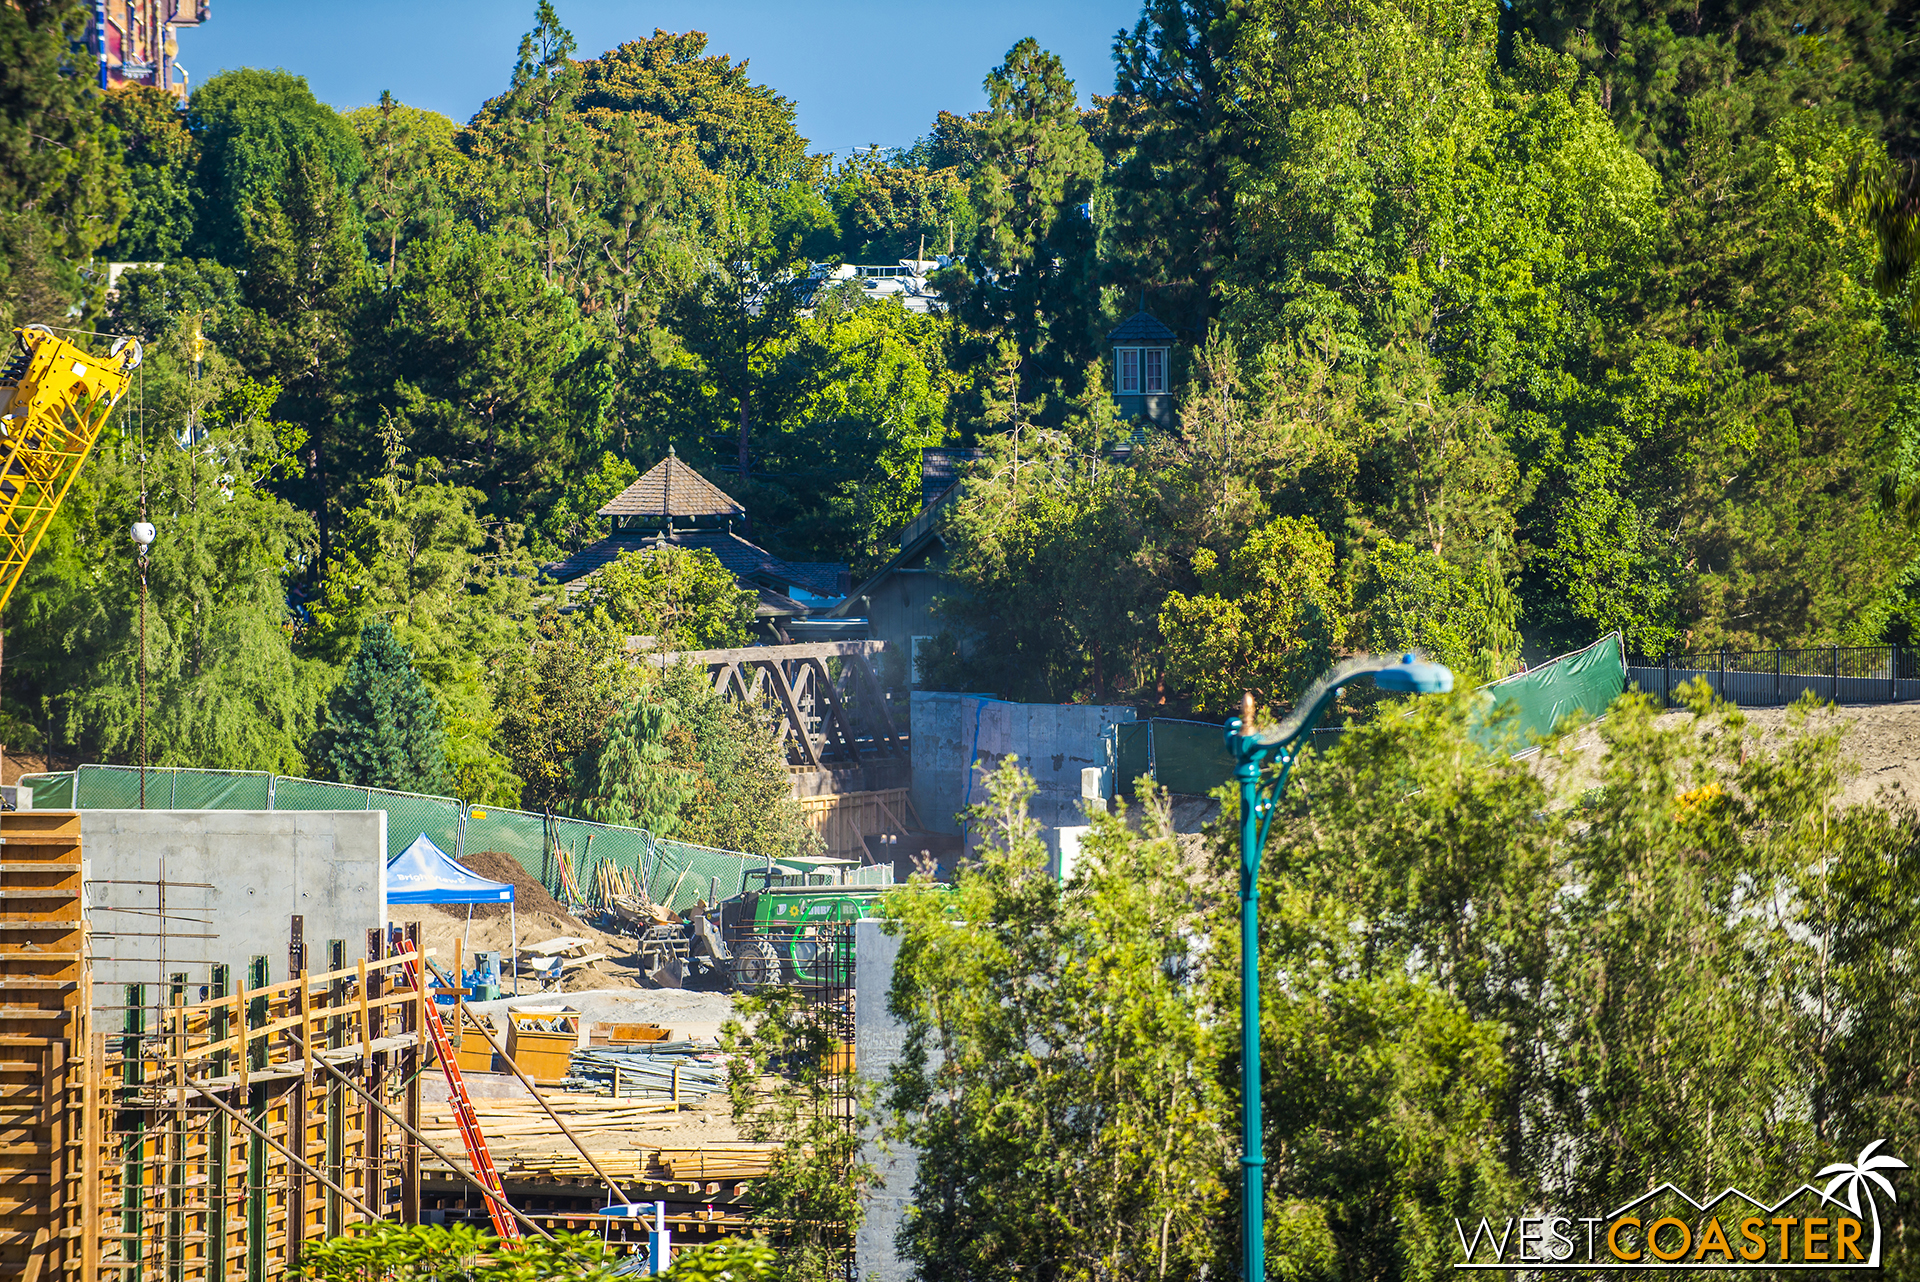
(542, 1042)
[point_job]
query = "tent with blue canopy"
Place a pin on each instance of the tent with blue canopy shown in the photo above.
(425, 874)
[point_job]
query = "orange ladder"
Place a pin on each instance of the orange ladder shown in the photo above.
(503, 1222)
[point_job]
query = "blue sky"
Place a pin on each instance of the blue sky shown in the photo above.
(858, 72)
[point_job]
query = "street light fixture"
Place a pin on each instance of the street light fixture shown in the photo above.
(1252, 753)
(142, 533)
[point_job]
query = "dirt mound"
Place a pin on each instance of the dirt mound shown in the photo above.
(529, 896)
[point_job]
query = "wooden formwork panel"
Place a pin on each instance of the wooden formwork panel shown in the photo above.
(844, 820)
(43, 1030)
(116, 1163)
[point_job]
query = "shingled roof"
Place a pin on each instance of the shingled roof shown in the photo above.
(671, 488)
(1141, 330)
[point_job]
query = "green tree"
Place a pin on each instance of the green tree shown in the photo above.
(1409, 598)
(1060, 1078)
(485, 369)
(456, 589)
(574, 520)
(413, 177)
(626, 779)
(225, 687)
(738, 316)
(1048, 594)
(1030, 276)
(545, 151)
(554, 698)
(383, 726)
(1167, 204)
(670, 85)
(426, 1252)
(62, 182)
(1266, 618)
(683, 598)
(842, 475)
(254, 129)
(160, 159)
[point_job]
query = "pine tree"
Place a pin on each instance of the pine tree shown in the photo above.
(1034, 248)
(628, 780)
(383, 727)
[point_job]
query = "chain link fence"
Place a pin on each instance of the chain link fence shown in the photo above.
(577, 861)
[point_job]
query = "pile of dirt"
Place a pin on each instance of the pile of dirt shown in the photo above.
(529, 896)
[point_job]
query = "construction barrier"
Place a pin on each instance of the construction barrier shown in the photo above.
(1528, 705)
(1191, 756)
(577, 861)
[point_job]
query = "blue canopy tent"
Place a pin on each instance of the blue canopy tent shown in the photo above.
(425, 874)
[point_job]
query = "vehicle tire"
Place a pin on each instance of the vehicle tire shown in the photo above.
(755, 966)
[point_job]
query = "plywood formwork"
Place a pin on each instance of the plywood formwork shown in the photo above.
(44, 1198)
(844, 820)
(194, 1191)
(189, 1134)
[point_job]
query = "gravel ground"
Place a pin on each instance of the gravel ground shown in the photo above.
(672, 1007)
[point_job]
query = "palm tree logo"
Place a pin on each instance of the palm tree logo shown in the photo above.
(1863, 1176)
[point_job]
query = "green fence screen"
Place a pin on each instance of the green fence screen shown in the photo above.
(1191, 756)
(564, 855)
(684, 872)
(1530, 704)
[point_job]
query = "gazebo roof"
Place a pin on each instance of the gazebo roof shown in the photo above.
(671, 488)
(1141, 330)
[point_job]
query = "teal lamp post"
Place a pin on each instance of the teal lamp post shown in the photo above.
(1252, 753)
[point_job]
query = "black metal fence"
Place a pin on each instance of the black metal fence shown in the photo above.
(1764, 678)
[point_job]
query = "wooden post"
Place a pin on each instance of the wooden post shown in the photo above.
(366, 1034)
(372, 1074)
(176, 1200)
(218, 1140)
(298, 1181)
(336, 1094)
(256, 1015)
(93, 1141)
(410, 1062)
(133, 1176)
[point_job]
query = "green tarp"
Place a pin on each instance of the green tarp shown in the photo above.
(674, 872)
(1191, 756)
(1530, 704)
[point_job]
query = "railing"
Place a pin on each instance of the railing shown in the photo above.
(1771, 678)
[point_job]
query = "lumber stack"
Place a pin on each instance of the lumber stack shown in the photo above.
(736, 1161)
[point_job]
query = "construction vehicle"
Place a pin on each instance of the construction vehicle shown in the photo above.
(56, 399)
(775, 932)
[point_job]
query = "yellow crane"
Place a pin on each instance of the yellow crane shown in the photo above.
(56, 399)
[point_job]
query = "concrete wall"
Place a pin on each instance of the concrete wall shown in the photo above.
(260, 868)
(957, 737)
(878, 1041)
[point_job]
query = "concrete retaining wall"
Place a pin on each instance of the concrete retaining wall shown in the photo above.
(259, 868)
(878, 1041)
(958, 737)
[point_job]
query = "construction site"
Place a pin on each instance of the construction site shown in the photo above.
(246, 1013)
(215, 1119)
